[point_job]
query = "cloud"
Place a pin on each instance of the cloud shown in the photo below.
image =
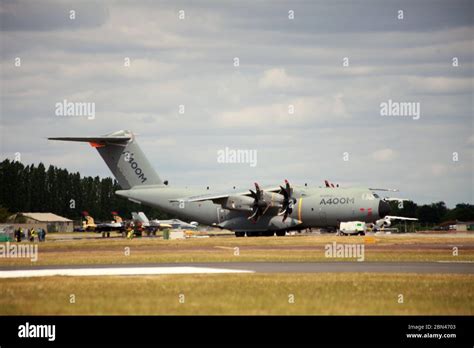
(284, 65)
(276, 78)
(384, 155)
(438, 169)
(302, 111)
(470, 140)
(26, 15)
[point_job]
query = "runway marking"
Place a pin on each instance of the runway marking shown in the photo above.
(81, 272)
(456, 261)
(223, 247)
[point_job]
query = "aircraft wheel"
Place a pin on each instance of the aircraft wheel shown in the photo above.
(362, 234)
(103, 234)
(240, 234)
(251, 234)
(281, 233)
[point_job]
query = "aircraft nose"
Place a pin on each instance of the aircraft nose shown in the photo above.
(384, 208)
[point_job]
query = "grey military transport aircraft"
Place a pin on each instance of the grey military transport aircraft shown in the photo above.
(262, 211)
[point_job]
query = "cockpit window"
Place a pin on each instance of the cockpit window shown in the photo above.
(376, 195)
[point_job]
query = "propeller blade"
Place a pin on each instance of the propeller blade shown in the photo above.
(286, 208)
(251, 217)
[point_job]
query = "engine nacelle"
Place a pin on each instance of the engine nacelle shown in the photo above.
(242, 203)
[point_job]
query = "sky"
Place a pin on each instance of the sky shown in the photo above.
(306, 95)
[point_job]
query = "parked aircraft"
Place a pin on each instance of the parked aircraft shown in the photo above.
(89, 225)
(387, 221)
(161, 224)
(259, 211)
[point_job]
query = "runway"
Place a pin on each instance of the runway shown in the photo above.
(239, 267)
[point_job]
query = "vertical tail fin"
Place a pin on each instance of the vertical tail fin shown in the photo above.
(143, 218)
(140, 218)
(124, 158)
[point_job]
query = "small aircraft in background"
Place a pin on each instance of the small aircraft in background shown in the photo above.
(89, 225)
(152, 226)
(387, 221)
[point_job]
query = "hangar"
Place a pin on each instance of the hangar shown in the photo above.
(49, 221)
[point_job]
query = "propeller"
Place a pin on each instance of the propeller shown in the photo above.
(288, 200)
(330, 184)
(260, 206)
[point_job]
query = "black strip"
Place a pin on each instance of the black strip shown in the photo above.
(194, 330)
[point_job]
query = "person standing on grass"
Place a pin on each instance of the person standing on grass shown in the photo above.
(33, 235)
(18, 235)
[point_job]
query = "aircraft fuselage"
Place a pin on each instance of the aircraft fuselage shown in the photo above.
(314, 207)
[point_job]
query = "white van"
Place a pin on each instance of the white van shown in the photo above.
(352, 227)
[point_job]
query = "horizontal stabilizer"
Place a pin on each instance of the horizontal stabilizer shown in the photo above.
(97, 140)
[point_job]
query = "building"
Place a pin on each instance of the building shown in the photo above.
(49, 221)
(465, 226)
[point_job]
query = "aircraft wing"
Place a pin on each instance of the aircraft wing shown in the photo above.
(400, 218)
(383, 189)
(217, 197)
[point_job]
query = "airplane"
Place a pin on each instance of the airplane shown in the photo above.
(161, 224)
(180, 225)
(262, 211)
(387, 221)
(89, 225)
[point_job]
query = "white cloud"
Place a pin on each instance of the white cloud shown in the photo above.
(276, 78)
(189, 62)
(384, 155)
(438, 169)
(470, 140)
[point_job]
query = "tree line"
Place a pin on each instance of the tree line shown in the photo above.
(33, 188)
(434, 213)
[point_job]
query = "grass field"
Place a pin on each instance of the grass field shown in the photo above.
(343, 293)
(223, 249)
(314, 293)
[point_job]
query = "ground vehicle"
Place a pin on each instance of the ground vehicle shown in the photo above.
(352, 227)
